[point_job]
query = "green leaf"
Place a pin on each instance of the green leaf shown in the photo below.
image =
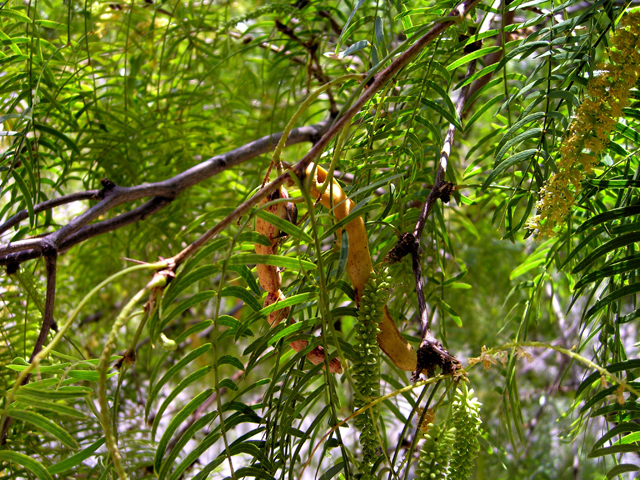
(247, 276)
(89, 376)
(608, 216)
(451, 117)
(601, 452)
(26, 194)
(23, 460)
(254, 237)
(184, 383)
(622, 468)
(56, 133)
(182, 282)
(617, 430)
(198, 425)
(58, 408)
(50, 394)
(285, 226)
(472, 56)
(341, 39)
(173, 370)
(242, 294)
(76, 459)
(533, 132)
(612, 297)
(276, 260)
(230, 360)
(176, 421)
(291, 329)
(14, 14)
(187, 304)
(509, 162)
(43, 423)
(619, 267)
(611, 245)
(228, 383)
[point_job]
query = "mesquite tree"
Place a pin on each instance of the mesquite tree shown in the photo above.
(282, 240)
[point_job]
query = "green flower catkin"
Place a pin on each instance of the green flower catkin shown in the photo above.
(466, 420)
(436, 452)
(366, 367)
(280, 8)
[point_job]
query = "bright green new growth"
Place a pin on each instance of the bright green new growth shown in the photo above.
(435, 453)
(466, 420)
(366, 366)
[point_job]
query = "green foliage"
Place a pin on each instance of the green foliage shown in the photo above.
(138, 92)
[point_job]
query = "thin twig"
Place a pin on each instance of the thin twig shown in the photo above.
(431, 351)
(48, 205)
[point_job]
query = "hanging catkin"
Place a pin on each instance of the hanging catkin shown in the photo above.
(466, 420)
(436, 452)
(366, 367)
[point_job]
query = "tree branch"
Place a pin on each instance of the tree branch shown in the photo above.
(431, 352)
(79, 229)
(380, 80)
(48, 205)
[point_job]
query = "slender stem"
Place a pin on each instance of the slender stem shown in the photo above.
(103, 367)
(47, 323)
(434, 195)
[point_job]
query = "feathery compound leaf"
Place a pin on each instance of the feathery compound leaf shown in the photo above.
(44, 424)
(27, 462)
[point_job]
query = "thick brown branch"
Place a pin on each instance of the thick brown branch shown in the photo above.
(80, 229)
(299, 169)
(48, 205)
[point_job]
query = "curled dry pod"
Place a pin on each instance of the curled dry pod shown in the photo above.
(359, 267)
(276, 316)
(269, 277)
(271, 231)
(316, 356)
(435, 453)
(394, 345)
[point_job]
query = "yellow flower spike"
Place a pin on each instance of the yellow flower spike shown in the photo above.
(608, 91)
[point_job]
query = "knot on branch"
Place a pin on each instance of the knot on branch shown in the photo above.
(431, 355)
(443, 191)
(49, 249)
(12, 267)
(107, 185)
(129, 357)
(407, 244)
